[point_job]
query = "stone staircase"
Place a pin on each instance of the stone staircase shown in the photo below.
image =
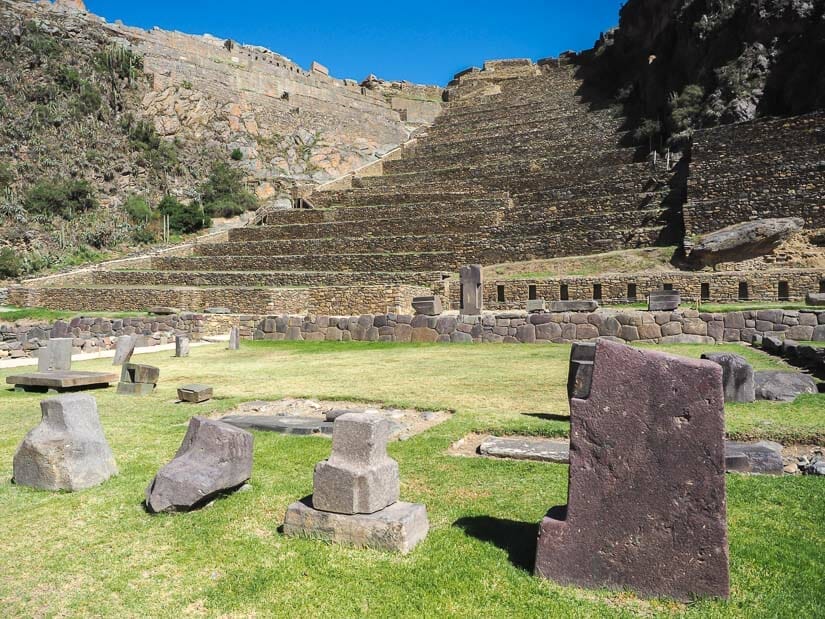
(519, 166)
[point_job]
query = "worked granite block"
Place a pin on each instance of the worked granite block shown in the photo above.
(737, 376)
(472, 289)
(194, 394)
(663, 300)
(646, 496)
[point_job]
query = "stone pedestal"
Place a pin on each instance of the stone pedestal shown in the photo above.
(181, 346)
(646, 496)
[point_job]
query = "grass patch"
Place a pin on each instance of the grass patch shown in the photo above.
(97, 553)
(14, 314)
(716, 308)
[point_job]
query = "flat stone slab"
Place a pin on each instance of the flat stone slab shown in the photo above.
(61, 381)
(195, 393)
(574, 306)
(762, 458)
(284, 425)
(540, 450)
(782, 386)
(397, 528)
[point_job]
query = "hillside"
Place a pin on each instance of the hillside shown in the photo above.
(94, 114)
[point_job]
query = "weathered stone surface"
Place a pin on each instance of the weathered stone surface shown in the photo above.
(163, 311)
(218, 310)
(663, 300)
(40, 382)
(574, 306)
(397, 528)
(782, 386)
(536, 306)
(57, 356)
(68, 450)
(763, 458)
(686, 338)
(359, 477)
(743, 241)
(213, 458)
(427, 306)
(815, 299)
(235, 338)
(302, 426)
(538, 449)
(124, 349)
(195, 393)
(181, 346)
(472, 289)
(649, 518)
(139, 373)
(737, 376)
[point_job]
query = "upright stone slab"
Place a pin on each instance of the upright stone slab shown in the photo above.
(124, 349)
(56, 356)
(536, 306)
(234, 338)
(68, 450)
(646, 496)
(737, 376)
(359, 477)
(663, 300)
(213, 458)
(472, 289)
(181, 346)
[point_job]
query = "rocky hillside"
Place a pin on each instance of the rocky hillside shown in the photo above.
(679, 65)
(103, 127)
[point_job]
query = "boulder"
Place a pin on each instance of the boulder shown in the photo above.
(68, 450)
(535, 306)
(214, 458)
(427, 306)
(737, 376)
(743, 241)
(782, 386)
(762, 458)
(815, 299)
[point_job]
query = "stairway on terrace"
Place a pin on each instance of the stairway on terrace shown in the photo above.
(519, 166)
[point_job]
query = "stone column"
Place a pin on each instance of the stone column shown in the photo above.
(472, 289)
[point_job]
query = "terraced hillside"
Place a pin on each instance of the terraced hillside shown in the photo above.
(520, 166)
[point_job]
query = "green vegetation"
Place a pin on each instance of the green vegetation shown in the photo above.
(120, 62)
(685, 109)
(109, 558)
(10, 263)
(156, 152)
(41, 44)
(237, 154)
(7, 175)
(138, 209)
(39, 313)
(184, 218)
(223, 193)
(60, 198)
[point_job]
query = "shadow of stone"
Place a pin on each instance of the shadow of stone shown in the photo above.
(518, 539)
(548, 416)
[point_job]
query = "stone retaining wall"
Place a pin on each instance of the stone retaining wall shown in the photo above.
(23, 338)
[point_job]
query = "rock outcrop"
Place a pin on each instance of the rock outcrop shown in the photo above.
(743, 241)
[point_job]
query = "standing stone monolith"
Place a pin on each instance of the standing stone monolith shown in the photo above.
(355, 499)
(56, 356)
(234, 338)
(737, 376)
(124, 349)
(472, 289)
(213, 458)
(181, 346)
(646, 495)
(68, 450)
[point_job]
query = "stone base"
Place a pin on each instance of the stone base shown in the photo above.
(135, 388)
(397, 528)
(68, 380)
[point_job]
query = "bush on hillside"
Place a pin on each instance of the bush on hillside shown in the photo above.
(60, 198)
(184, 218)
(237, 154)
(224, 192)
(10, 263)
(138, 209)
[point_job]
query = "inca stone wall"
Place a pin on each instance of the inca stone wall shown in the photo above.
(22, 339)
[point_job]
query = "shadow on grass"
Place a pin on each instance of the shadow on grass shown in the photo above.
(548, 416)
(518, 539)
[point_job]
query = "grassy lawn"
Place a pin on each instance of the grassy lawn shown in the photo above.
(98, 553)
(13, 314)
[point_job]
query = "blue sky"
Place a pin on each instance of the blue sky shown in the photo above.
(424, 42)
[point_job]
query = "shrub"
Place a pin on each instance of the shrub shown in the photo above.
(158, 153)
(224, 208)
(10, 263)
(184, 218)
(41, 44)
(89, 100)
(120, 62)
(6, 175)
(225, 186)
(237, 154)
(144, 236)
(68, 78)
(60, 198)
(138, 209)
(686, 108)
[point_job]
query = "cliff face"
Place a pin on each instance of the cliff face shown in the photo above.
(738, 59)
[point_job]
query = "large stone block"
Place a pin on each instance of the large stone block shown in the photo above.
(124, 349)
(359, 477)
(181, 346)
(195, 394)
(397, 528)
(815, 299)
(782, 386)
(663, 300)
(56, 356)
(574, 306)
(646, 496)
(472, 289)
(68, 450)
(213, 458)
(737, 376)
(234, 338)
(427, 306)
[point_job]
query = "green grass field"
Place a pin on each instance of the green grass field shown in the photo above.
(97, 553)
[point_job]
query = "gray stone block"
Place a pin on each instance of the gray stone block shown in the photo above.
(737, 376)
(213, 458)
(472, 289)
(194, 394)
(135, 388)
(540, 450)
(359, 477)
(139, 373)
(782, 386)
(428, 306)
(396, 528)
(181, 346)
(301, 426)
(762, 458)
(663, 300)
(234, 338)
(536, 305)
(574, 306)
(124, 349)
(68, 450)
(56, 356)
(815, 299)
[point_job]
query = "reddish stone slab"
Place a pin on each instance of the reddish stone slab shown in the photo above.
(646, 499)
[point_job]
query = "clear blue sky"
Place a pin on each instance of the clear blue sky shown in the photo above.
(424, 42)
